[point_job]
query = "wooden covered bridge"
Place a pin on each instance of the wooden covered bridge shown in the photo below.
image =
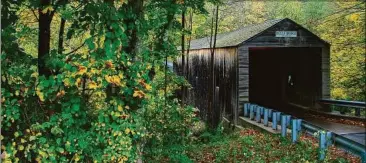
(273, 64)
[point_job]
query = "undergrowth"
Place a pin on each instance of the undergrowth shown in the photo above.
(247, 145)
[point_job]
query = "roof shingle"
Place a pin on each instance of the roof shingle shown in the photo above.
(234, 38)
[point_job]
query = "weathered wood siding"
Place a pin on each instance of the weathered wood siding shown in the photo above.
(243, 64)
(225, 61)
(325, 66)
(268, 39)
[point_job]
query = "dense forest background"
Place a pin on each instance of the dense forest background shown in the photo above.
(342, 24)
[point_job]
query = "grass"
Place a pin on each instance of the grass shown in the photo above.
(247, 145)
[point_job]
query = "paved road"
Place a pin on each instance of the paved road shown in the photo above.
(355, 133)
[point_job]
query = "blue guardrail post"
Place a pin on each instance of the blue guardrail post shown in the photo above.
(288, 120)
(262, 110)
(265, 117)
(274, 120)
(258, 114)
(294, 130)
(329, 138)
(283, 125)
(322, 145)
(251, 113)
(299, 121)
(278, 116)
(363, 157)
(246, 109)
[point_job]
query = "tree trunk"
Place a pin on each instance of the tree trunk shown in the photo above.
(211, 107)
(137, 9)
(213, 71)
(183, 57)
(189, 40)
(44, 37)
(61, 36)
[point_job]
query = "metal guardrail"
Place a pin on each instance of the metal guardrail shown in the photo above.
(339, 141)
(326, 138)
(346, 105)
(350, 145)
(353, 104)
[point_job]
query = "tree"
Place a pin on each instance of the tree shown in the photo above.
(63, 113)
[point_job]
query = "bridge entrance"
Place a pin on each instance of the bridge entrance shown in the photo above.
(280, 76)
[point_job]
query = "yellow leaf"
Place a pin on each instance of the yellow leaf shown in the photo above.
(78, 82)
(82, 70)
(48, 8)
(138, 93)
(20, 147)
(120, 108)
(120, 75)
(125, 158)
(34, 74)
(127, 131)
(40, 95)
(148, 87)
(354, 17)
(31, 138)
(60, 93)
(43, 154)
(92, 85)
(113, 80)
(117, 114)
(66, 82)
(77, 158)
(93, 71)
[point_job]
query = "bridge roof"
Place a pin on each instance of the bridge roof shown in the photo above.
(234, 38)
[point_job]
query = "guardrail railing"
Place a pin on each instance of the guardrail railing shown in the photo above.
(344, 106)
(264, 115)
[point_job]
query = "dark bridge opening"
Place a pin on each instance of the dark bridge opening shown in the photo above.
(280, 76)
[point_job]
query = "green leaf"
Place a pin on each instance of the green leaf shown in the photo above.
(61, 150)
(75, 107)
(90, 43)
(56, 130)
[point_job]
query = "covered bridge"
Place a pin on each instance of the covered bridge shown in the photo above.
(273, 64)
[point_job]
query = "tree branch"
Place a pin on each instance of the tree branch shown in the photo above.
(35, 15)
(76, 49)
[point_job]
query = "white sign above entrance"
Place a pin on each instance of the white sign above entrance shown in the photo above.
(286, 33)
